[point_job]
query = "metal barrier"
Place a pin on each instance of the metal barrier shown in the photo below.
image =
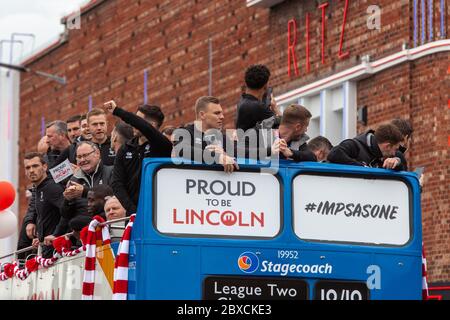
(15, 253)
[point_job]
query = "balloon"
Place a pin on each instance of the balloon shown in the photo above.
(8, 223)
(7, 195)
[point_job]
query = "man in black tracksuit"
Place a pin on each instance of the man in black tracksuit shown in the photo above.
(196, 141)
(47, 199)
(79, 205)
(291, 142)
(374, 149)
(98, 127)
(76, 134)
(57, 140)
(148, 142)
(203, 141)
(252, 107)
(91, 173)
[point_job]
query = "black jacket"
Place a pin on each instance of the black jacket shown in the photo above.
(250, 111)
(300, 150)
(128, 163)
(45, 207)
(362, 150)
(75, 207)
(70, 152)
(106, 153)
(299, 147)
(52, 158)
(194, 142)
(30, 215)
(404, 164)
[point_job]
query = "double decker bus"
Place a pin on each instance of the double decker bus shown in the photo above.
(310, 231)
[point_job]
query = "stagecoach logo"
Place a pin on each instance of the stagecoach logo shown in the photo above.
(248, 262)
(128, 155)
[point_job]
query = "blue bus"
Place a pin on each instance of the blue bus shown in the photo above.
(305, 231)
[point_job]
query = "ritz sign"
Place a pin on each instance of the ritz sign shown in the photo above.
(293, 38)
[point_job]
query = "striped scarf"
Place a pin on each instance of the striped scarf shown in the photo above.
(121, 264)
(91, 248)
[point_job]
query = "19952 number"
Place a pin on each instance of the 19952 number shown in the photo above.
(287, 254)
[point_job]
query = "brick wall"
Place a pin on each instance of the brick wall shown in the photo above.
(431, 120)
(120, 39)
(412, 91)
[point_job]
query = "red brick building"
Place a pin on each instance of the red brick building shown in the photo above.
(335, 57)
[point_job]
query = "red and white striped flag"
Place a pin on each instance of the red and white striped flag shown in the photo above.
(121, 264)
(425, 294)
(89, 264)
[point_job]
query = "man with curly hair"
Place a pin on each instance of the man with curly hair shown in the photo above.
(252, 108)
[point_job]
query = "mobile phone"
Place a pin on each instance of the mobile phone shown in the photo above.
(268, 97)
(209, 139)
(212, 139)
(419, 171)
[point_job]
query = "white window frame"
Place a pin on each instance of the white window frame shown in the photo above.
(349, 108)
(263, 3)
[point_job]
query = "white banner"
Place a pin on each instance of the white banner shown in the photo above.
(375, 211)
(204, 202)
(61, 171)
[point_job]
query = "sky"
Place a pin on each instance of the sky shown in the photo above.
(39, 17)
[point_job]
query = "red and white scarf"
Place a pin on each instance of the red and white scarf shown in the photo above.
(91, 248)
(121, 264)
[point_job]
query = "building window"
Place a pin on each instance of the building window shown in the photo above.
(333, 112)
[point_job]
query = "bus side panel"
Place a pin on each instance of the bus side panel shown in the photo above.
(336, 265)
(180, 264)
(400, 278)
(175, 267)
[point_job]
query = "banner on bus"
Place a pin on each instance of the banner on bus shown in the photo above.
(206, 202)
(355, 210)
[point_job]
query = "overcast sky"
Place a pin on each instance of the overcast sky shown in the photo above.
(40, 17)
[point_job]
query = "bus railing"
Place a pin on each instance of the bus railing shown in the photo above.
(15, 253)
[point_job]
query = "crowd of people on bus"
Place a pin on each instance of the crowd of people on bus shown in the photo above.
(107, 169)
